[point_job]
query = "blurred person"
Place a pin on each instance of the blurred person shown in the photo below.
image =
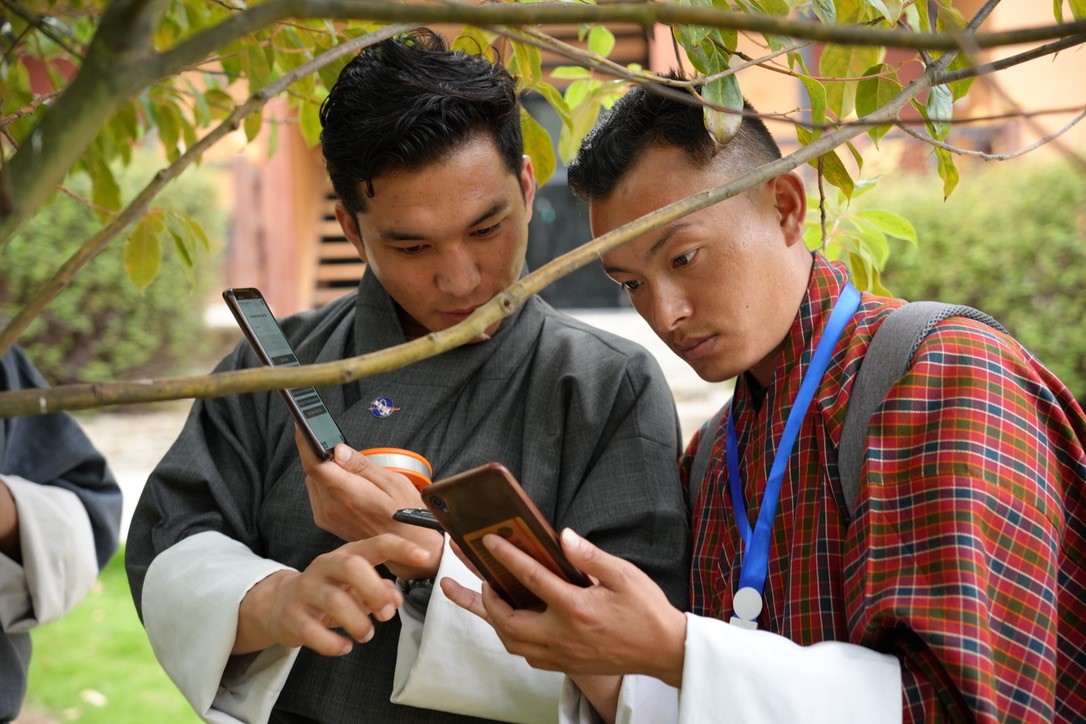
(256, 567)
(60, 515)
(956, 592)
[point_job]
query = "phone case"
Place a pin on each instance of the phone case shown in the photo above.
(488, 499)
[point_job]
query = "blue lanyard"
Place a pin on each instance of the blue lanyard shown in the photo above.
(756, 543)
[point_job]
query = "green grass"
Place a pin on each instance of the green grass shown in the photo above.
(95, 664)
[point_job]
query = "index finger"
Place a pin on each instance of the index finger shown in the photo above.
(535, 576)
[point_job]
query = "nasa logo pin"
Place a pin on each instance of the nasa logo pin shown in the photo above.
(382, 407)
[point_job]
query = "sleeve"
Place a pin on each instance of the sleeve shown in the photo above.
(956, 551)
(69, 506)
(430, 671)
(194, 550)
(619, 437)
(202, 579)
(58, 561)
(732, 674)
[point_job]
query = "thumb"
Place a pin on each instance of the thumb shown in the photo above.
(353, 461)
(600, 565)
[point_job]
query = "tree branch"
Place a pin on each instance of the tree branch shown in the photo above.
(926, 138)
(73, 397)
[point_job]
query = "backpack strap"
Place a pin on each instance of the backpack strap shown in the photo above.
(700, 466)
(888, 358)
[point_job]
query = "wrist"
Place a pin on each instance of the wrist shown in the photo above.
(670, 650)
(9, 525)
(254, 611)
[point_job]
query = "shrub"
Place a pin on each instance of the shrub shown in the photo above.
(1011, 241)
(101, 327)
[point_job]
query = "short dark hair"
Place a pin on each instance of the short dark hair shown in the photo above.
(407, 102)
(641, 120)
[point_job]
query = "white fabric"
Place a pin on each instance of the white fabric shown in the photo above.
(191, 597)
(57, 546)
(731, 674)
(454, 661)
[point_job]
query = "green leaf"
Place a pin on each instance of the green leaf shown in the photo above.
(845, 62)
(889, 223)
(835, 173)
(959, 88)
(184, 247)
(570, 72)
(538, 146)
(1078, 9)
(558, 103)
(143, 251)
(105, 192)
(861, 270)
(528, 63)
(259, 70)
(309, 123)
(601, 41)
(219, 103)
(817, 93)
(940, 111)
(881, 9)
(825, 11)
(723, 92)
(169, 127)
(874, 92)
(948, 172)
(252, 124)
(474, 41)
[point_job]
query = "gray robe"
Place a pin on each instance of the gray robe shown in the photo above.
(582, 418)
(50, 450)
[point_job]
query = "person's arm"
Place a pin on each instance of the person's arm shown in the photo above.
(624, 626)
(60, 509)
(48, 563)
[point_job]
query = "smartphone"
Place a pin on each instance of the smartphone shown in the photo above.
(266, 337)
(418, 516)
(488, 499)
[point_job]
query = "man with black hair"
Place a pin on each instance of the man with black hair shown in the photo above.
(60, 511)
(237, 556)
(957, 589)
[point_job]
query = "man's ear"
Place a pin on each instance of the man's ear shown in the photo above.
(349, 224)
(527, 183)
(790, 198)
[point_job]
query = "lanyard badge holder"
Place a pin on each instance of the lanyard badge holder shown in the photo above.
(747, 601)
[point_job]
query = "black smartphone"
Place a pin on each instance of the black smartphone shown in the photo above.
(418, 516)
(265, 336)
(488, 499)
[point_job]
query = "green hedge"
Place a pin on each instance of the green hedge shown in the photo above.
(1011, 241)
(101, 327)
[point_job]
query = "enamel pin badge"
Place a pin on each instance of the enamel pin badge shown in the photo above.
(382, 407)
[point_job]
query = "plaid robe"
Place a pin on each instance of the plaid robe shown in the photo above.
(967, 558)
(584, 420)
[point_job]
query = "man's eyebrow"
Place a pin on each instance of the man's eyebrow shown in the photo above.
(652, 250)
(398, 235)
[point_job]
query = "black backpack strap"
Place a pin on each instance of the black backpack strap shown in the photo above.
(888, 358)
(700, 466)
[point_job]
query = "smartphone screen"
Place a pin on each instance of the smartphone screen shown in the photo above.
(270, 344)
(488, 499)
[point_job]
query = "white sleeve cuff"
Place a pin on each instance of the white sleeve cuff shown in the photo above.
(734, 674)
(59, 563)
(190, 602)
(641, 700)
(454, 661)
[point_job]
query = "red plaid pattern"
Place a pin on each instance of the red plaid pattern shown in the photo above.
(967, 558)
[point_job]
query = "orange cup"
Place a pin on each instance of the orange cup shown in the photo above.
(411, 465)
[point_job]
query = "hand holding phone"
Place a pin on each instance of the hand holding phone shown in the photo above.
(265, 336)
(488, 499)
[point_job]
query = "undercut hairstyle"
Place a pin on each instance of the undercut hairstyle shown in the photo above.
(641, 120)
(408, 102)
